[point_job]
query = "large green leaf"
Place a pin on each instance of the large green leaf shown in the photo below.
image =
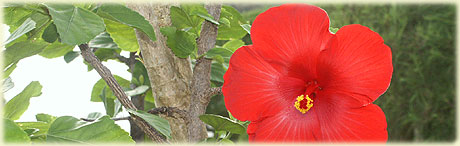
(21, 50)
(101, 86)
(129, 17)
(181, 43)
(56, 49)
(217, 72)
(235, 31)
(160, 124)
(182, 19)
(13, 133)
(220, 123)
(70, 129)
(75, 25)
(27, 26)
(103, 40)
(19, 104)
(123, 35)
(200, 11)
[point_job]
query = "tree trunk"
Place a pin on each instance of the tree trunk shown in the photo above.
(170, 76)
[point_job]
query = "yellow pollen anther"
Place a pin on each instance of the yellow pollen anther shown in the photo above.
(303, 103)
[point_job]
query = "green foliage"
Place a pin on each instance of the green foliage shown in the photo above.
(217, 72)
(181, 18)
(220, 123)
(50, 33)
(7, 84)
(127, 16)
(138, 90)
(70, 56)
(21, 50)
(18, 105)
(74, 24)
(181, 43)
(123, 35)
(73, 130)
(160, 124)
(101, 86)
(103, 40)
(13, 133)
(235, 31)
(222, 53)
(56, 49)
(112, 106)
(233, 45)
(25, 27)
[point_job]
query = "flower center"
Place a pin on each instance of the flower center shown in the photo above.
(303, 103)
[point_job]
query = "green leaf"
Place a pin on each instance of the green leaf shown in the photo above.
(112, 107)
(38, 127)
(50, 33)
(149, 98)
(222, 52)
(27, 26)
(217, 72)
(13, 133)
(246, 27)
(75, 25)
(94, 115)
(45, 118)
(104, 54)
(100, 86)
(181, 43)
(70, 129)
(140, 75)
(7, 84)
(233, 45)
(226, 141)
(200, 11)
(139, 90)
(19, 104)
(181, 18)
(160, 124)
(103, 40)
(333, 30)
(15, 16)
(56, 49)
(123, 35)
(235, 31)
(21, 50)
(129, 17)
(220, 123)
(71, 56)
(225, 21)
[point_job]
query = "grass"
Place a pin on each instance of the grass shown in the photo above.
(420, 103)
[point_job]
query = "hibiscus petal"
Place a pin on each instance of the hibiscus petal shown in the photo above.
(287, 126)
(290, 38)
(340, 122)
(253, 89)
(356, 61)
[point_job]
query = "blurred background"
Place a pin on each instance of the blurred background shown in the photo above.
(420, 103)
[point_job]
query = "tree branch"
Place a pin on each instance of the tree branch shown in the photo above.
(105, 73)
(169, 111)
(201, 76)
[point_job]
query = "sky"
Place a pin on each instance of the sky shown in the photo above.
(66, 87)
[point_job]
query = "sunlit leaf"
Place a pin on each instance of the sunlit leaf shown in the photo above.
(181, 43)
(70, 129)
(235, 31)
(220, 123)
(45, 118)
(13, 133)
(74, 24)
(56, 49)
(100, 86)
(139, 90)
(123, 35)
(27, 26)
(18, 104)
(160, 124)
(21, 50)
(103, 40)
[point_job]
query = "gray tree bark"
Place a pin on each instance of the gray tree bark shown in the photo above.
(169, 75)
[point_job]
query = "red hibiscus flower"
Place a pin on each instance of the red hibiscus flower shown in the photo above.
(299, 82)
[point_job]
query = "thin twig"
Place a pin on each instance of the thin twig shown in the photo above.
(169, 111)
(105, 73)
(115, 119)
